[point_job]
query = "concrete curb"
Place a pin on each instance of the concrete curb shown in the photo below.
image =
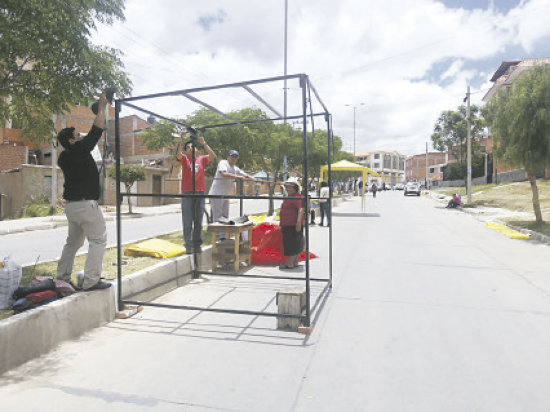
(35, 332)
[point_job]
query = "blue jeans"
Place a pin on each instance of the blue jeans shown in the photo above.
(192, 212)
(325, 210)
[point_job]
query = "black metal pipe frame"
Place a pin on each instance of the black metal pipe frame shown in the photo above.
(171, 196)
(306, 87)
(118, 202)
(204, 309)
(303, 84)
(236, 275)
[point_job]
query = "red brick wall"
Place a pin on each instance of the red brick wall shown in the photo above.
(415, 166)
(11, 157)
(131, 143)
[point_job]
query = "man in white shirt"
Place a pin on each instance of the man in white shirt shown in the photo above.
(226, 174)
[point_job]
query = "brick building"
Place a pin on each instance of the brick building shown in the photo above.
(415, 167)
(18, 156)
(508, 72)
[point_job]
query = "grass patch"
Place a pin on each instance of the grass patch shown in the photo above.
(130, 264)
(515, 196)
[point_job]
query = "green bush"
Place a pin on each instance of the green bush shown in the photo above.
(39, 206)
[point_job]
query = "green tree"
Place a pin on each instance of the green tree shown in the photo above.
(48, 62)
(451, 132)
(129, 174)
(519, 117)
(262, 145)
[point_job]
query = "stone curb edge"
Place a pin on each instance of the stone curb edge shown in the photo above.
(35, 332)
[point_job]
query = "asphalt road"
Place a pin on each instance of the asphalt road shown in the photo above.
(46, 245)
(430, 311)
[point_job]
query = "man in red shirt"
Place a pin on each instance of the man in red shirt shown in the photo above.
(192, 208)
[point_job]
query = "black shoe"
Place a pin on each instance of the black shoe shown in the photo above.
(100, 285)
(76, 288)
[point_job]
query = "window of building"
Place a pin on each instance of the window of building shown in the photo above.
(387, 161)
(377, 155)
(432, 169)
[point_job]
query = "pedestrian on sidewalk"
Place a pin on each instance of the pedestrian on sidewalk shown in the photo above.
(192, 207)
(292, 221)
(226, 174)
(324, 203)
(81, 192)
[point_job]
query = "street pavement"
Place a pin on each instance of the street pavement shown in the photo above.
(41, 239)
(430, 311)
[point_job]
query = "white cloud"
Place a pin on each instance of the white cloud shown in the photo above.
(407, 60)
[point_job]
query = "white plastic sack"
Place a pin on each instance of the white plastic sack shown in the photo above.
(10, 276)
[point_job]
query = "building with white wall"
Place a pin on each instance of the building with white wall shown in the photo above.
(389, 164)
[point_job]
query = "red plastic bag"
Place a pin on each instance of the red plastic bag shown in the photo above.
(267, 245)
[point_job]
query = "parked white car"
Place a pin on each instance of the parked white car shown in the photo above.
(412, 188)
(399, 186)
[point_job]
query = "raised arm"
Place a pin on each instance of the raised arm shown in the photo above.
(211, 154)
(100, 118)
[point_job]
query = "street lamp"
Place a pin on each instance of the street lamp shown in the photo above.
(354, 109)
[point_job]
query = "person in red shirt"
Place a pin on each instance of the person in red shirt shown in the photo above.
(192, 208)
(455, 201)
(292, 220)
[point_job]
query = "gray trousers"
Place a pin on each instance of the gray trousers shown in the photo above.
(85, 222)
(220, 208)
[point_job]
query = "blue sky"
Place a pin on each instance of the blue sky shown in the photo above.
(406, 60)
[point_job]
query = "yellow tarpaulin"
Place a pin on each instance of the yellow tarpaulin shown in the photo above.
(156, 248)
(505, 230)
(347, 166)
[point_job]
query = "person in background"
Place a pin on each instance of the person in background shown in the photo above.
(292, 221)
(455, 201)
(324, 203)
(192, 208)
(226, 173)
(374, 189)
(81, 192)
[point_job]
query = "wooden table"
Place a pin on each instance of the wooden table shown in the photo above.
(234, 230)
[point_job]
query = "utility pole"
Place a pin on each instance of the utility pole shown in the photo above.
(426, 166)
(469, 150)
(285, 59)
(354, 110)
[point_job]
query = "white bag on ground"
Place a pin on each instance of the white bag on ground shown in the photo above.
(10, 276)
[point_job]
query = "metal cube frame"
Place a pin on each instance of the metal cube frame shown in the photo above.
(307, 112)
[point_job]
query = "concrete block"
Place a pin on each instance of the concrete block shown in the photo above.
(290, 301)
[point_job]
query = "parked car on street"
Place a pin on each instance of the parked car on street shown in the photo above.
(399, 186)
(412, 188)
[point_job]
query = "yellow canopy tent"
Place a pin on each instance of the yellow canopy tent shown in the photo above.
(347, 166)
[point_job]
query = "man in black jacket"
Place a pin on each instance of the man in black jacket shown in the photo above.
(81, 192)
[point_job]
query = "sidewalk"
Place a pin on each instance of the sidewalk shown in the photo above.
(496, 215)
(109, 212)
